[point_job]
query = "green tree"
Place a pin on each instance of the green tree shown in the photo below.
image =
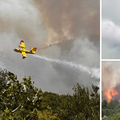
(107, 118)
(104, 104)
(116, 116)
(111, 105)
(116, 102)
(118, 106)
(66, 109)
(107, 112)
(82, 105)
(47, 114)
(51, 99)
(21, 100)
(17, 97)
(95, 102)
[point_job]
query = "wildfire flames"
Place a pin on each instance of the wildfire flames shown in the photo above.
(110, 94)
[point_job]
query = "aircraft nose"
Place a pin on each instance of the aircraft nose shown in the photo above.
(14, 49)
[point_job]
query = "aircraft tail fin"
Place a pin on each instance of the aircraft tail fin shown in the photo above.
(33, 50)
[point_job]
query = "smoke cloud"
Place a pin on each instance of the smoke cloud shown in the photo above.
(111, 43)
(71, 26)
(110, 76)
(67, 19)
(110, 29)
(49, 75)
(20, 20)
(94, 72)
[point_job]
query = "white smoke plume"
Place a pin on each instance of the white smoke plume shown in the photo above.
(94, 72)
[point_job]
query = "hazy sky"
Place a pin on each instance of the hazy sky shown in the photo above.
(110, 29)
(71, 26)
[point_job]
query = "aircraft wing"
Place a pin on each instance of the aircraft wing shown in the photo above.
(22, 44)
(24, 55)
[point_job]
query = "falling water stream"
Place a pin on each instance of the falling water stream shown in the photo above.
(94, 72)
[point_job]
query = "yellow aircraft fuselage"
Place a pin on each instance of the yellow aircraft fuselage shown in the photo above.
(24, 51)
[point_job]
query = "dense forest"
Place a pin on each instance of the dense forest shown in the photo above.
(110, 110)
(23, 101)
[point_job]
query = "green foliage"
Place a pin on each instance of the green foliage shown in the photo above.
(23, 101)
(107, 112)
(107, 118)
(111, 105)
(66, 108)
(82, 105)
(116, 102)
(14, 95)
(51, 99)
(111, 112)
(116, 116)
(118, 106)
(47, 114)
(104, 104)
(95, 102)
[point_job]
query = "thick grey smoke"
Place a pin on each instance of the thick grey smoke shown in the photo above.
(40, 25)
(110, 75)
(66, 19)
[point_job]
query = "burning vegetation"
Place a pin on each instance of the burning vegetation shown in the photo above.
(110, 94)
(110, 91)
(111, 104)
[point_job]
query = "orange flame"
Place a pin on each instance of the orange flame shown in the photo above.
(110, 93)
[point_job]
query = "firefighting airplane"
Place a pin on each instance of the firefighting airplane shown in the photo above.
(24, 51)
